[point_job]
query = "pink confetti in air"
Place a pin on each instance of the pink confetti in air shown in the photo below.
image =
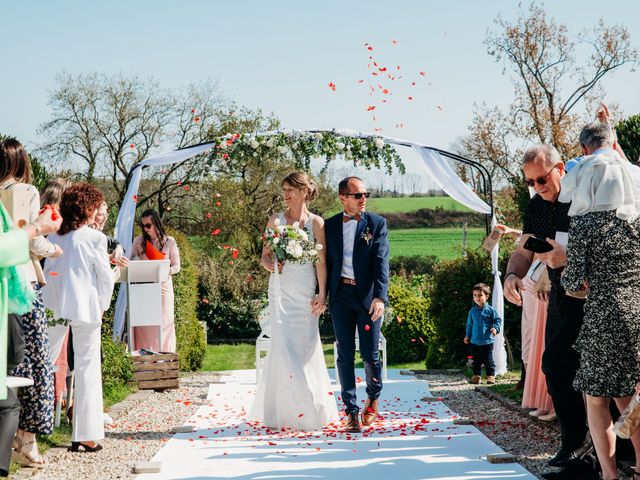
(367, 328)
(135, 198)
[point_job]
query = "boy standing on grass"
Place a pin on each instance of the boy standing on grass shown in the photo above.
(483, 324)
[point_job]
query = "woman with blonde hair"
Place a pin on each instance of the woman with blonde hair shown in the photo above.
(295, 391)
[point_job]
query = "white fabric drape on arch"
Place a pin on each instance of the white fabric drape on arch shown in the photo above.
(126, 216)
(441, 172)
(435, 166)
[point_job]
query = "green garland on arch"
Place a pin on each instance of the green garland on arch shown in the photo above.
(369, 152)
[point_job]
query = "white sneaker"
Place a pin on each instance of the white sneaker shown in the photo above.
(107, 419)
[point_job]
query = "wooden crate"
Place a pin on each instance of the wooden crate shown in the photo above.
(156, 372)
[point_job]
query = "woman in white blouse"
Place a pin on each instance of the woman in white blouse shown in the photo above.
(79, 290)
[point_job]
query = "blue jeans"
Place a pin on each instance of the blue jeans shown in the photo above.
(347, 313)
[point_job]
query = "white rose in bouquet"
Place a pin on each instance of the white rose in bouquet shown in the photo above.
(282, 149)
(297, 251)
(281, 228)
(379, 142)
(319, 246)
(269, 143)
(318, 136)
(276, 222)
(313, 253)
(254, 144)
(276, 240)
(296, 225)
(304, 235)
(340, 146)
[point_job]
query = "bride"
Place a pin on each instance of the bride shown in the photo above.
(294, 390)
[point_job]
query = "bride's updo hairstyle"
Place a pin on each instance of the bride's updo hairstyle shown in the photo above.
(302, 180)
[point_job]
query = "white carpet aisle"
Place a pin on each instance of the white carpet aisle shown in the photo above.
(414, 440)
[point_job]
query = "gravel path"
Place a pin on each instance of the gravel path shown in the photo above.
(143, 425)
(137, 433)
(533, 441)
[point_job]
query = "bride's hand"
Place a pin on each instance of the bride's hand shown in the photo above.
(318, 304)
(268, 265)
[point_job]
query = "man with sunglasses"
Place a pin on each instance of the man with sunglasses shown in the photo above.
(547, 218)
(358, 276)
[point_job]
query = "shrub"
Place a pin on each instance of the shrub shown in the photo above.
(117, 369)
(233, 293)
(628, 132)
(190, 337)
(408, 266)
(451, 300)
(411, 330)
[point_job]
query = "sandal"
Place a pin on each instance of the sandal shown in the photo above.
(17, 443)
(28, 459)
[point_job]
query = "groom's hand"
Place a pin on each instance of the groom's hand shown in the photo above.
(377, 309)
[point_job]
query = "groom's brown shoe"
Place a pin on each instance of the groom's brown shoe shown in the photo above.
(370, 412)
(353, 425)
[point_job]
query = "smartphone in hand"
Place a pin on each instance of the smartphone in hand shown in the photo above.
(537, 245)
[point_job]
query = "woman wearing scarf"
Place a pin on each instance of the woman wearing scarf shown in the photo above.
(603, 257)
(16, 297)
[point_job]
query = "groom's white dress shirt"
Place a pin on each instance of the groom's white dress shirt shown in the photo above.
(348, 240)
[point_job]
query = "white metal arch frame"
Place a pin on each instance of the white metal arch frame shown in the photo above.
(433, 163)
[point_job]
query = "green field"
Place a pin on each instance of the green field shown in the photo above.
(411, 204)
(441, 242)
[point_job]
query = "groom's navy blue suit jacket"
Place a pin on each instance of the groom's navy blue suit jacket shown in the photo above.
(370, 258)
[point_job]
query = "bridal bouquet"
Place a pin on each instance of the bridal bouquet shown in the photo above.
(290, 243)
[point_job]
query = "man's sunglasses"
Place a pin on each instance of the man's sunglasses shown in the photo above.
(358, 195)
(539, 180)
(147, 225)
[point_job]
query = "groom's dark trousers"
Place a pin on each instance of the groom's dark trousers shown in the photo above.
(348, 313)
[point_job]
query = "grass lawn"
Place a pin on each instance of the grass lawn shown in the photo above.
(411, 204)
(242, 357)
(444, 243)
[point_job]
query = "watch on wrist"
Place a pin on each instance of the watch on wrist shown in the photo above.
(510, 273)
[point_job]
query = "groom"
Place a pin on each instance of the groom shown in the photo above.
(358, 275)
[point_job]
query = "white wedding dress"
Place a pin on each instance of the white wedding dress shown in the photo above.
(294, 390)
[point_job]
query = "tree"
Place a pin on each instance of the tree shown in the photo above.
(108, 124)
(628, 132)
(550, 85)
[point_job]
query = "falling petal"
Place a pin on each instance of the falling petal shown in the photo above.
(53, 274)
(423, 74)
(367, 328)
(370, 107)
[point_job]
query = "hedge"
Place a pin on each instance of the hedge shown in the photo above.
(190, 336)
(451, 300)
(411, 329)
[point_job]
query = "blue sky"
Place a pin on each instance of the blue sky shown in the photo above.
(280, 56)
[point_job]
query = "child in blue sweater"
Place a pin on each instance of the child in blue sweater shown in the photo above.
(483, 324)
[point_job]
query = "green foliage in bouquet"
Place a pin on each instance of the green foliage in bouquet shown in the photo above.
(291, 243)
